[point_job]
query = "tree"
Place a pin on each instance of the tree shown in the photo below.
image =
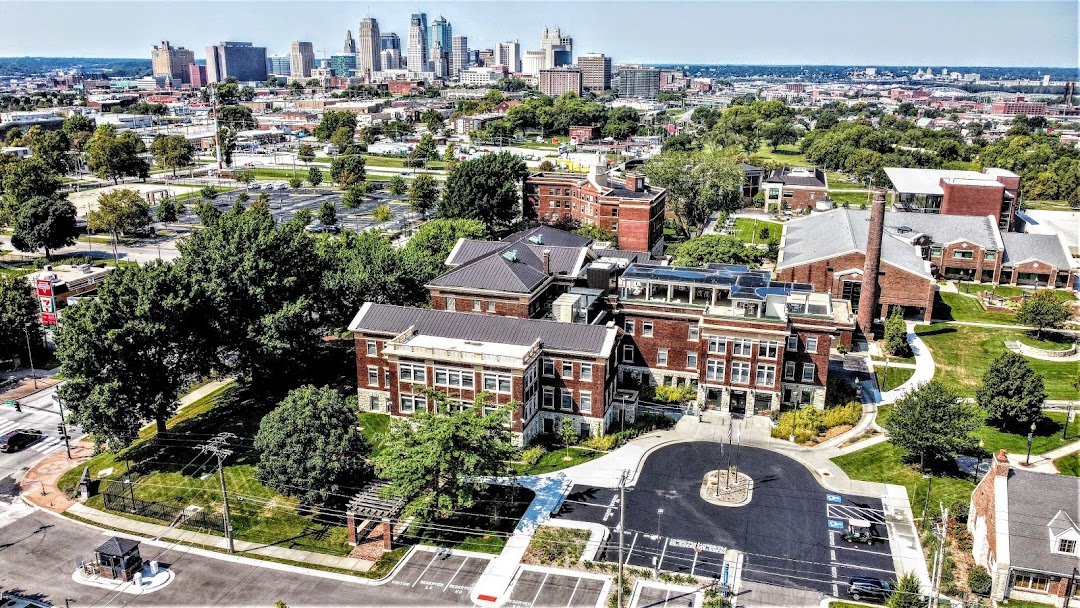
(622, 122)
(717, 248)
(310, 446)
(226, 141)
(315, 176)
(127, 353)
(597, 232)
(244, 176)
(397, 185)
(306, 153)
(432, 119)
(50, 147)
(167, 211)
(699, 184)
(423, 194)
(328, 214)
(1011, 392)
(45, 222)
(342, 138)
(424, 151)
(236, 118)
(354, 196)
(19, 314)
(364, 267)
(112, 156)
(22, 180)
(120, 212)
(1042, 310)
(172, 151)
(896, 334)
(433, 241)
(295, 182)
(485, 189)
(208, 214)
(381, 213)
(568, 435)
(332, 121)
(933, 422)
(440, 457)
(907, 593)
(779, 132)
(450, 153)
(347, 170)
(77, 123)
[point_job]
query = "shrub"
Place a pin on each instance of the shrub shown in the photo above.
(673, 394)
(603, 442)
(896, 334)
(843, 414)
(808, 421)
(979, 580)
(208, 192)
(533, 455)
(295, 182)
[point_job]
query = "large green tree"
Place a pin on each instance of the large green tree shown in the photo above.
(127, 353)
(23, 179)
(932, 422)
(236, 118)
(1043, 311)
(172, 151)
(121, 211)
(907, 593)
(485, 189)
(333, 120)
(716, 248)
(315, 176)
(310, 446)
(306, 153)
(347, 170)
(50, 147)
(1011, 393)
(698, 184)
(423, 194)
(45, 222)
(19, 315)
(440, 457)
(428, 248)
(112, 156)
(364, 267)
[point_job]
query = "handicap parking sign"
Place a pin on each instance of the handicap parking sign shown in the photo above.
(836, 524)
(834, 498)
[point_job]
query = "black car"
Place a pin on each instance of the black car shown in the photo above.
(13, 441)
(869, 588)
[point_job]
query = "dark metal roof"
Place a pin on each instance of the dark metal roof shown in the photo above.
(117, 547)
(470, 249)
(554, 335)
(515, 269)
(784, 176)
(1036, 501)
(546, 235)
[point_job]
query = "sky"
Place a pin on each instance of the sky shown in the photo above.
(937, 33)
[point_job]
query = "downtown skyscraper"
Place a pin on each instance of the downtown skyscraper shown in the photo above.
(369, 59)
(417, 51)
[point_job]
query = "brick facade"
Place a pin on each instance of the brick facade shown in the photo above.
(509, 305)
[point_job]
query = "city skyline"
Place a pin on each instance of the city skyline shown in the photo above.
(785, 33)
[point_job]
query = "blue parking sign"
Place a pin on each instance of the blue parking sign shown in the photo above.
(836, 524)
(834, 498)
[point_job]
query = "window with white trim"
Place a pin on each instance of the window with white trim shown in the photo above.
(585, 401)
(692, 334)
(811, 344)
(586, 371)
(549, 398)
(549, 368)
(646, 329)
(496, 383)
(628, 352)
(567, 370)
(628, 326)
(412, 373)
(371, 348)
(566, 400)
(714, 370)
(766, 375)
(740, 372)
(767, 349)
(691, 360)
(1029, 581)
(717, 344)
(1066, 545)
(373, 376)
(412, 403)
(808, 372)
(742, 347)
(456, 378)
(451, 303)
(789, 370)
(476, 305)
(661, 356)
(491, 305)
(793, 343)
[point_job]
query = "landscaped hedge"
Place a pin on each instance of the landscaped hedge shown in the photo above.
(808, 422)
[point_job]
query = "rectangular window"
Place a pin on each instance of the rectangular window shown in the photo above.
(793, 343)
(740, 372)
(963, 255)
(646, 329)
(549, 397)
(566, 400)
(373, 376)
(766, 375)
(497, 383)
(989, 256)
(371, 348)
(476, 305)
(774, 193)
(808, 372)
(789, 370)
(767, 349)
(615, 212)
(451, 304)
(714, 370)
(549, 368)
(628, 326)
(693, 333)
(1031, 582)
(691, 360)
(628, 352)
(491, 306)
(412, 373)
(456, 378)
(585, 401)
(661, 356)
(935, 252)
(586, 372)
(614, 226)
(811, 344)
(412, 403)
(717, 344)
(742, 347)
(1066, 546)
(567, 370)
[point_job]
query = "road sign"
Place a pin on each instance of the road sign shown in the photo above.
(836, 524)
(834, 498)
(11, 403)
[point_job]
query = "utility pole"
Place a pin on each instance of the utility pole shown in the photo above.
(218, 447)
(939, 558)
(622, 514)
(63, 425)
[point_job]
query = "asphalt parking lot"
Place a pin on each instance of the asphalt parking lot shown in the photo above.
(534, 588)
(439, 576)
(790, 532)
(664, 597)
(285, 203)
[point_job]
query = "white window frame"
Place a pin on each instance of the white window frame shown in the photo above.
(585, 401)
(766, 375)
(455, 377)
(373, 372)
(627, 352)
(415, 402)
(372, 348)
(789, 370)
(740, 372)
(549, 398)
(715, 370)
(476, 305)
(549, 368)
(793, 343)
(1071, 550)
(566, 396)
(808, 377)
(647, 329)
(628, 326)
(566, 370)
(662, 357)
(693, 333)
(768, 349)
(811, 344)
(586, 371)
(717, 345)
(491, 305)
(691, 360)
(451, 303)
(742, 347)
(493, 383)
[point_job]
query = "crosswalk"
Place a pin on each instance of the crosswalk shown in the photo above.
(47, 445)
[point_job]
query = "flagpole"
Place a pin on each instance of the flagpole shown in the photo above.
(738, 454)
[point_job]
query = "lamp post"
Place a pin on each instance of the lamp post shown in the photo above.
(978, 463)
(1065, 431)
(926, 503)
(1031, 435)
(656, 558)
(29, 353)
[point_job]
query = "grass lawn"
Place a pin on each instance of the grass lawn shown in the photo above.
(963, 353)
(848, 605)
(374, 425)
(1047, 436)
(1011, 291)
(1023, 604)
(788, 155)
(881, 463)
(560, 547)
(896, 377)
(853, 199)
(1048, 205)
(839, 181)
(1068, 465)
(745, 230)
(555, 460)
(496, 512)
(1049, 341)
(955, 307)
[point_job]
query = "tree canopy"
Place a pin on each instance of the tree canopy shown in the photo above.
(332, 121)
(45, 222)
(18, 309)
(348, 169)
(485, 189)
(933, 423)
(423, 193)
(699, 183)
(172, 151)
(717, 248)
(112, 156)
(1011, 393)
(121, 211)
(428, 248)
(1042, 310)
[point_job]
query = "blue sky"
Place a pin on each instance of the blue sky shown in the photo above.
(867, 32)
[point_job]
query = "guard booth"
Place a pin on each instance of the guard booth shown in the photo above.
(119, 559)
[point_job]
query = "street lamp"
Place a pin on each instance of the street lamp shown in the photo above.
(1031, 435)
(29, 353)
(978, 463)
(929, 485)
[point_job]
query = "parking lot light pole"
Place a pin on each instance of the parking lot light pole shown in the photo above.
(1031, 435)
(30, 354)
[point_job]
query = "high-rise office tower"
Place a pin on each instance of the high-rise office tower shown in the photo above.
(595, 71)
(278, 65)
(241, 60)
(509, 55)
(459, 54)
(558, 49)
(532, 61)
(417, 56)
(350, 44)
(390, 59)
(637, 81)
(440, 33)
(301, 59)
(486, 58)
(172, 61)
(369, 59)
(438, 61)
(389, 41)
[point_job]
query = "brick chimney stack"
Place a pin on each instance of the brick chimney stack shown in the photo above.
(871, 287)
(546, 257)
(1001, 463)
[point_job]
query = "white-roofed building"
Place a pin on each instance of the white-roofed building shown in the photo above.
(953, 192)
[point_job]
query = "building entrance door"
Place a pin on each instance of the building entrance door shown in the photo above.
(737, 404)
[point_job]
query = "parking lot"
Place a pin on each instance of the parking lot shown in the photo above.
(663, 596)
(790, 533)
(286, 202)
(439, 576)
(539, 588)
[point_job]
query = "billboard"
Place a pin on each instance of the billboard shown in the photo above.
(47, 300)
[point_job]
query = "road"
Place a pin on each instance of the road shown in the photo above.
(38, 412)
(142, 254)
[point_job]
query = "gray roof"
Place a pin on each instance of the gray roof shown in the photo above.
(546, 235)
(496, 272)
(117, 546)
(554, 335)
(1026, 247)
(470, 249)
(1035, 501)
(563, 260)
(784, 176)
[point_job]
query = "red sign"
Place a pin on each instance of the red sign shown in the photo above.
(48, 318)
(44, 288)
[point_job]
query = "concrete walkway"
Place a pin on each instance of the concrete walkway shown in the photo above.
(924, 368)
(1044, 463)
(1037, 353)
(157, 531)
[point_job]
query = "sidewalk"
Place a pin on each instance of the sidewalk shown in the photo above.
(924, 368)
(25, 387)
(39, 482)
(1043, 463)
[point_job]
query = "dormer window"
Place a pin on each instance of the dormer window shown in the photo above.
(1066, 545)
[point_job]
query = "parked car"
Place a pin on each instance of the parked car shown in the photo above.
(268, 186)
(254, 185)
(13, 441)
(870, 588)
(281, 186)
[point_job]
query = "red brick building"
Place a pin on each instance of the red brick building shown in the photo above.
(993, 192)
(625, 205)
(1006, 107)
(795, 188)
(580, 134)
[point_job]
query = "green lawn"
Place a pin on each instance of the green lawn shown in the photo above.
(839, 181)
(963, 353)
(1023, 604)
(1049, 341)
(955, 307)
(1068, 465)
(896, 377)
(745, 230)
(835, 604)
(853, 199)
(787, 155)
(555, 460)
(881, 463)
(1048, 205)
(1011, 291)
(1047, 436)
(374, 425)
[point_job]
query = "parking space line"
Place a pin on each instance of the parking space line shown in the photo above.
(662, 553)
(631, 551)
(861, 567)
(539, 589)
(447, 585)
(433, 557)
(694, 564)
(574, 592)
(870, 551)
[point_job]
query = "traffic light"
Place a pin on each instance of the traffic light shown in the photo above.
(60, 429)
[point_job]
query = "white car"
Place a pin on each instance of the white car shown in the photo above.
(268, 186)
(281, 186)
